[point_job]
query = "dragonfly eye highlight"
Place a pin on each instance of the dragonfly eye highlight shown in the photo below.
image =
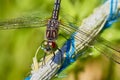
(50, 43)
(45, 43)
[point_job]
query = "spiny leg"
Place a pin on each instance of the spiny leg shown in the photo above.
(43, 62)
(61, 55)
(53, 57)
(60, 49)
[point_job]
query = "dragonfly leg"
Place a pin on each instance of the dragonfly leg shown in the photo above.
(61, 55)
(53, 57)
(43, 62)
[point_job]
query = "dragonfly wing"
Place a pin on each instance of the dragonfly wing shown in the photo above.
(102, 45)
(108, 49)
(73, 29)
(23, 22)
(69, 28)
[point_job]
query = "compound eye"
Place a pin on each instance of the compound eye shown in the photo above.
(50, 43)
(45, 43)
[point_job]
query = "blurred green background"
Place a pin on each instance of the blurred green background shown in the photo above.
(18, 46)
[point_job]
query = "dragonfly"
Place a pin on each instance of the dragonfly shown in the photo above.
(53, 25)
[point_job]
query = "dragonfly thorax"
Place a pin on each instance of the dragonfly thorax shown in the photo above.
(52, 29)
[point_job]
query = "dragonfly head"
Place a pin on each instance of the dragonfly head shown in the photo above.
(49, 46)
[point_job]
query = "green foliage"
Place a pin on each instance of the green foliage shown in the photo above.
(17, 47)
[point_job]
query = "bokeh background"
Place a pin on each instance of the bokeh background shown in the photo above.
(18, 46)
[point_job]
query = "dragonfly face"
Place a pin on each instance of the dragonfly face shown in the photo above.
(49, 46)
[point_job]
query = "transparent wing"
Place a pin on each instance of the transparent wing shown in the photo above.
(103, 46)
(108, 49)
(28, 21)
(71, 28)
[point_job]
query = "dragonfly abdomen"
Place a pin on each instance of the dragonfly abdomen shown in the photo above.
(55, 13)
